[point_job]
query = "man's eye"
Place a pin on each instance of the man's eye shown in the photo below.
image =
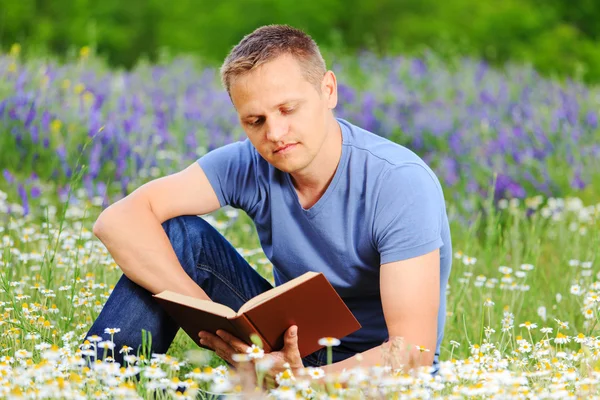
(255, 123)
(288, 110)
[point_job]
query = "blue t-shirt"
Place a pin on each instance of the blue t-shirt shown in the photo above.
(383, 204)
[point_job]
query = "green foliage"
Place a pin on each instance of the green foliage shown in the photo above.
(556, 37)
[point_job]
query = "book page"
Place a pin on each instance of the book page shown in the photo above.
(253, 302)
(206, 305)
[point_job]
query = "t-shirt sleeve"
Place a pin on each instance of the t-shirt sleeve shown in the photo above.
(231, 171)
(408, 214)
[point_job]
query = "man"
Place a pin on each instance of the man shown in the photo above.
(324, 194)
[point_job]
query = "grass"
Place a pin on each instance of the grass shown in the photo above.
(517, 263)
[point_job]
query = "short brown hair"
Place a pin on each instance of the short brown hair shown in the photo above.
(269, 42)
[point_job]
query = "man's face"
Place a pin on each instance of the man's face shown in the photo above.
(284, 116)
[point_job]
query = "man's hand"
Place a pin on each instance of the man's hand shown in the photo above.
(226, 345)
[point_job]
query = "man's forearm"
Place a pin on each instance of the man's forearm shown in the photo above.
(139, 245)
(382, 355)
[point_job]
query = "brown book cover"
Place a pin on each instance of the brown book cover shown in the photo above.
(308, 301)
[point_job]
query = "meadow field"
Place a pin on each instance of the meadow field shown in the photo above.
(517, 155)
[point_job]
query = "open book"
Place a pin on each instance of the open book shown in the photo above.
(308, 301)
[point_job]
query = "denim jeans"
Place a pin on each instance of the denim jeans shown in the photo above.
(212, 262)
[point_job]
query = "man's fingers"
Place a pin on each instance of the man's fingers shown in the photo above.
(224, 344)
(291, 338)
(218, 345)
(237, 344)
(292, 352)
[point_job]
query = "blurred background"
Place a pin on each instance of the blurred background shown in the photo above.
(500, 98)
(558, 37)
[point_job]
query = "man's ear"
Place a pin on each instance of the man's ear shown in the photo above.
(329, 89)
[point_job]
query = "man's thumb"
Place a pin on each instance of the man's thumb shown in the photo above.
(293, 334)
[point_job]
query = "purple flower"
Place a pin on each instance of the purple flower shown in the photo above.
(34, 132)
(8, 176)
(419, 68)
(100, 189)
(45, 121)
(24, 201)
(507, 187)
(63, 193)
(577, 182)
(30, 116)
(592, 119)
(35, 192)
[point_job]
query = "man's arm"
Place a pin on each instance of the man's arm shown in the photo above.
(131, 229)
(410, 295)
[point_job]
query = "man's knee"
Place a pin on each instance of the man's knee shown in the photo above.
(188, 235)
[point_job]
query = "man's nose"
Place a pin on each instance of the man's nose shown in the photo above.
(277, 128)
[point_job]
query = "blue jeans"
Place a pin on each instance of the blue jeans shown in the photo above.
(212, 262)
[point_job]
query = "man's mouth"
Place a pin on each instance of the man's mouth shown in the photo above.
(285, 148)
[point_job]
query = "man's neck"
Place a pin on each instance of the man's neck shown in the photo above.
(311, 183)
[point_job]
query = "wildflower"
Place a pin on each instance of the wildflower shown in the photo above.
(580, 338)
(469, 260)
(131, 371)
(562, 339)
(480, 280)
(488, 302)
(107, 344)
(315, 373)
(23, 354)
(592, 298)
(504, 270)
(329, 341)
(507, 321)
(112, 331)
(130, 358)
(68, 336)
(524, 347)
(125, 349)
(563, 325)
(588, 313)
(454, 343)
(255, 352)
(527, 267)
(154, 372)
(285, 378)
(528, 325)
(541, 311)
(221, 385)
(32, 336)
(422, 349)
(42, 346)
(576, 290)
(546, 329)
(283, 392)
(307, 392)
(94, 338)
(52, 354)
